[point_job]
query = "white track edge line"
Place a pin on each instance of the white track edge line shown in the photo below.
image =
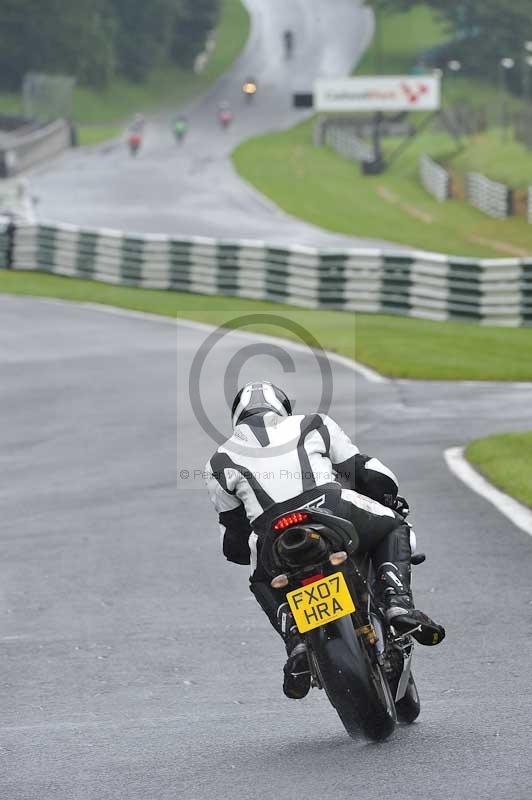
(366, 372)
(516, 512)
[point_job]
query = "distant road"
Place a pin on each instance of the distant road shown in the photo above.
(194, 190)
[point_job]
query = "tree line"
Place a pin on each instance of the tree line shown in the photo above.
(481, 32)
(96, 40)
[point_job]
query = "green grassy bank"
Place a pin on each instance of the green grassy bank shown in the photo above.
(317, 185)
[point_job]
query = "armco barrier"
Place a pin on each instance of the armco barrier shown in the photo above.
(435, 178)
(408, 283)
(14, 122)
(491, 197)
(18, 153)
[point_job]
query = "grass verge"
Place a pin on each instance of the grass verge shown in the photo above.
(506, 460)
(317, 185)
(394, 346)
(165, 87)
(493, 153)
(95, 134)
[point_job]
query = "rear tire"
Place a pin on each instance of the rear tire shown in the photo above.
(355, 687)
(409, 706)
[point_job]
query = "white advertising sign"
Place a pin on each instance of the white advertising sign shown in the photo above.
(391, 93)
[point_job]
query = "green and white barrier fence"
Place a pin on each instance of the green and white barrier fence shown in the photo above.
(408, 283)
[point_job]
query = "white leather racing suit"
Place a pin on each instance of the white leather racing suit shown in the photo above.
(271, 460)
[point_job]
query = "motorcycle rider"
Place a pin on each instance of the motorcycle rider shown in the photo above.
(137, 125)
(225, 115)
(180, 127)
(249, 87)
(288, 38)
(276, 461)
(136, 131)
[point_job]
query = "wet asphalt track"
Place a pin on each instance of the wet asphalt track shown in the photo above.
(194, 189)
(134, 662)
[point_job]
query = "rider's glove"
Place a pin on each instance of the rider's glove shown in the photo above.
(401, 506)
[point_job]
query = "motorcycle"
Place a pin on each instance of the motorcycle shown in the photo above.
(180, 130)
(288, 38)
(362, 663)
(225, 117)
(250, 89)
(134, 142)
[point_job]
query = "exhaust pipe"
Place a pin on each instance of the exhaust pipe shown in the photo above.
(300, 546)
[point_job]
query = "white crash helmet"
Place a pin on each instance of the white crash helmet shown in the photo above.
(260, 397)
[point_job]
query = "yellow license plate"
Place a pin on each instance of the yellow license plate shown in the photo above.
(321, 602)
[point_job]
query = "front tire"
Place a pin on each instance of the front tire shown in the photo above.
(354, 685)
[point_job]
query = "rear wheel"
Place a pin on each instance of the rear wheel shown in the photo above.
(356, 688)
(408, 707)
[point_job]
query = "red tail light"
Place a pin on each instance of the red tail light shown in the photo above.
(312, 579)
(291, 519)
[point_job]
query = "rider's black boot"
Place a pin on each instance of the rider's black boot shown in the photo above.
(399, 610)
(296, 683)
(391, 559)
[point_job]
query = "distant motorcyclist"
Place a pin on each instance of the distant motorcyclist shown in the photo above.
(288, 39)
(134, 143)
(180, 128)
(249, 87)
(138, 123)
(225, 115)
(275, 462)
(135, 133)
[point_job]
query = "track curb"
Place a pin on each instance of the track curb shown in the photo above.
(516, 512)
